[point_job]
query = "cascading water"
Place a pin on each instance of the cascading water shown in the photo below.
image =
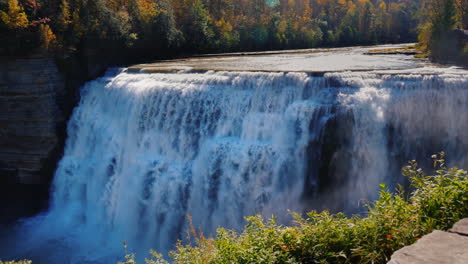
(146, 150)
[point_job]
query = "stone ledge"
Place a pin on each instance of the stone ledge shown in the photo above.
(437, 247)
(32, 113)
(461, 227)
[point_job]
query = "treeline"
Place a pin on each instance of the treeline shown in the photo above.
(161, 27)
(441, 30)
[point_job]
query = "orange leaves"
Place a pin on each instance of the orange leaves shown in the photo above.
(223, 26)
(148, 10)
(323, 2)
(286, 248)
(342, 2)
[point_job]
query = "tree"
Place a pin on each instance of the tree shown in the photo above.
(147, 11)
(442, 22)
(462, 8)
(196, 24)
(165, 34)
(15, 18)
(47, 37)
(365, 20)
(64, 17)
(162, 27)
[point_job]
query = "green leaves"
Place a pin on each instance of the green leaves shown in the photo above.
(14, 262)
(392, 222)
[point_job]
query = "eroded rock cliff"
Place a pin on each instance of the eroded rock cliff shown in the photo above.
(32, 124)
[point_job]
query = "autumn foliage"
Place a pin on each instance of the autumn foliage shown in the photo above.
(14, 18)
(441, 33)
(161, 27)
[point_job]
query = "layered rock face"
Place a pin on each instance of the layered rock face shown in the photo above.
(31, 123)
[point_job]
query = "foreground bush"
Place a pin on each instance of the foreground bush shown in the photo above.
(392, 222)
(14, 262)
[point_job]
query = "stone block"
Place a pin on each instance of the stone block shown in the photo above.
(461, 227)
(437, 247)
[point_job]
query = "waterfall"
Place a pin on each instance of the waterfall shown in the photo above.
(146, 150)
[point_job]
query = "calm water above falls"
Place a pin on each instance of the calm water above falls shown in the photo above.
(145, 150)
(312, 60)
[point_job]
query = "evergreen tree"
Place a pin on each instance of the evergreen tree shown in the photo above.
(442, 23)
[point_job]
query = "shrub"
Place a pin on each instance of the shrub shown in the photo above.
(14, 262)
(392, 222)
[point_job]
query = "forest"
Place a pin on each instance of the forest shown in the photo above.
(85, 37)
(164, 28)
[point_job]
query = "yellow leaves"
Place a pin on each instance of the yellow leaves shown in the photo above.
(223, 26)
(15, 18)
(47, 37)
(307, 13)
(383, 6)
(64, 16)
(14, 262)
(148, 10)
(78, 27)
(282, 26)
(351, 6)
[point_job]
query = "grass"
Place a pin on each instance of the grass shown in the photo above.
(421, 56)
(399, 50)
(395, 220)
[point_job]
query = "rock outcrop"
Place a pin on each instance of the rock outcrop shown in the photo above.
(437, 247)
(37, 96)
(461, 227)
(32, 124)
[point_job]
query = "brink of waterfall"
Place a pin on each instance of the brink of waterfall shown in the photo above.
(144, 150)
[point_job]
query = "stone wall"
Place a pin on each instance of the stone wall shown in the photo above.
(32, 124)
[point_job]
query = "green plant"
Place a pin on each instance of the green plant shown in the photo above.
(16, 262)
(392, 222)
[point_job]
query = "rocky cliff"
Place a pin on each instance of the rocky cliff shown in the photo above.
(37, 95)
(32, 124)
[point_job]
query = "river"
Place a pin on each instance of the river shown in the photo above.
(223, 137)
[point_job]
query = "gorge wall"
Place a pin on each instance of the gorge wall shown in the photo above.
(37, 95)
(31, 132)
(30, 94)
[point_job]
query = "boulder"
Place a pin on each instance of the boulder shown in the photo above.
(461, 227)
(437, 247)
